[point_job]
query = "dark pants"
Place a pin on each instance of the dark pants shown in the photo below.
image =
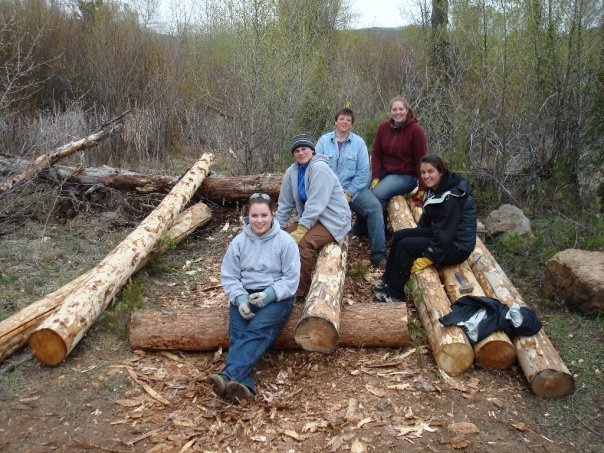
(249, 340)
(407, 245)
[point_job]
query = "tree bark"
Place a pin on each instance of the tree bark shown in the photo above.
(217, 188)
(318, 328)
(60, 332)
(46, 160)
(452, 351)
(368, 325)
(495, 351)
(544, 369)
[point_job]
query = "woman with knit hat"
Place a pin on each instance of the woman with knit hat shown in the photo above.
(314, 191)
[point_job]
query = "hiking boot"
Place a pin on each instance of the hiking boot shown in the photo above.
(237, 392)
(379, 263)
(379, 287)
(385, 298)
(218, 383)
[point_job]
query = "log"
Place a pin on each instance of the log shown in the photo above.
(544, 369)
(217, 188)
(368, 325)
(452, 350)
(52, 341)
(15, 330)
(318, 327)
(495, 351)
(47, 160)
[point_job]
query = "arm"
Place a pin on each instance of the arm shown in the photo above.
(286, 200)
(362, 177)
(287, 285)
(230, 272)
(318, 191)
(444, 228)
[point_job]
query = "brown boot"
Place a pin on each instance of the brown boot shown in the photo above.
(218, 383)
(237, 392)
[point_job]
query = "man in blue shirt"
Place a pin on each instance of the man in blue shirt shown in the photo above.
(349, 159)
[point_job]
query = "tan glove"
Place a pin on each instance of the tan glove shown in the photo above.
(299, 233)
(420, 263)
(348, 196)
(418, 198)
(374, 183)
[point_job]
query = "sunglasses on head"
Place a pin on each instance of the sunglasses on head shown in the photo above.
(262, 196)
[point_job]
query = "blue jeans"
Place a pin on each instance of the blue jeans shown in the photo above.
(249, 340)
(368, 209)
(391, 185)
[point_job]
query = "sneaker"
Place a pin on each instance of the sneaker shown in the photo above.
(237, 392)
(379, 287)
(385, 298)
(380, 263)
(218, 383)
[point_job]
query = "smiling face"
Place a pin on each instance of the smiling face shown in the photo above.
(430, 175)
(398, 112)
(260, 218)
(303, 154)
(344, 125)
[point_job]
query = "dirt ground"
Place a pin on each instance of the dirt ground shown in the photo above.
(106, 397)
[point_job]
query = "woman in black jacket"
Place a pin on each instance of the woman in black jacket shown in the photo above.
(445, 234)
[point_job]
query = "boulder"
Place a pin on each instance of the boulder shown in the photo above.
(507, 220)
(577, 278)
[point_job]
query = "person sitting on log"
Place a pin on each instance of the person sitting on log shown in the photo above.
(349, 159)
(445, 233)
(314, 191)
(260, 274)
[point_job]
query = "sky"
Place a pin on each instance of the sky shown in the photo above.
(383, 13)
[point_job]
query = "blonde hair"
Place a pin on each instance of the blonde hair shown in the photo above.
(399, 98)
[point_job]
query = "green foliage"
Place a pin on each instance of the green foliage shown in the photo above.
(359, 272)
(11, 383)
(130, 299)
(517, 244)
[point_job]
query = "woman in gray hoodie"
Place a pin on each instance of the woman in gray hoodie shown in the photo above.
(313, 190)
(260, 273)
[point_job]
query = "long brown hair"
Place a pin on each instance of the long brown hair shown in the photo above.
(399, 98)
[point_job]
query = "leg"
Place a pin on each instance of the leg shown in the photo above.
(391, 185)
(367, 205)
(256, 338)
(309, 246)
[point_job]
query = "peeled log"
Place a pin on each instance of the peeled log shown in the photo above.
(370, 325)
(318, 327)
(15, 330)
(61, 331)
(544, 369)
(452, 350)
(495, 351)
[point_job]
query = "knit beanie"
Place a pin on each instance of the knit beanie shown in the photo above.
(302, 140)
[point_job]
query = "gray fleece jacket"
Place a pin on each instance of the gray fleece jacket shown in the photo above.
(257, 262)
(326, 201)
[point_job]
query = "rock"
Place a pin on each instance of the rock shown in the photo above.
(507, 220)
(577, 278)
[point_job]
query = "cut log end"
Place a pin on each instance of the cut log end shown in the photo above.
(552, 383)
(316, 335)
(496, 354)
(48, 347)
(454, 358)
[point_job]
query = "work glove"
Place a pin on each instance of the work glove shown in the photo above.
(299, 233)
(420, 263)
(418, 198)
(263, 298)
(374, 183)
(242, 304)
(348, 196)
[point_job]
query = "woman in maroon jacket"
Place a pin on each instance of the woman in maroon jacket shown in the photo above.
(398, 147)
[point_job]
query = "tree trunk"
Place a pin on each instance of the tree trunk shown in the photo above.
(451, 348)
(544, 369)
(495, 351)
(60, 332)
(46, 160)
(15, 330)
(370, 325)
(318, 327)
(219, 189)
